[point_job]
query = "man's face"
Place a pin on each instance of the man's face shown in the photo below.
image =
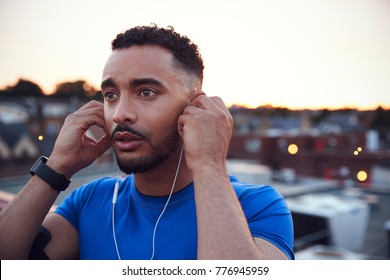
(144, 95)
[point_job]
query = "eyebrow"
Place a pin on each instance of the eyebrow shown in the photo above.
(107, 83)
(145, 81)
(133, 83)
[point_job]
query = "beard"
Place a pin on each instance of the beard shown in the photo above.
(159, 152)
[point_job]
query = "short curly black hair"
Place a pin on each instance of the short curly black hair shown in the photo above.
(185, 52)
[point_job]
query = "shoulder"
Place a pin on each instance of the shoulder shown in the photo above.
(245, 191)
(267, 213)
(259, 200)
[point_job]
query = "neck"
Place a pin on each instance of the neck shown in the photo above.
(159, 180)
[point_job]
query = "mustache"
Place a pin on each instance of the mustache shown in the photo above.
(125, 128)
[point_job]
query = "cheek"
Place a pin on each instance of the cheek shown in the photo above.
(164, 126)
(166, 121)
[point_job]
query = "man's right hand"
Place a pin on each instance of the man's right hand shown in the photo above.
(73, 149)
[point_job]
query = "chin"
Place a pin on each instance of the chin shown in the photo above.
(138, 164)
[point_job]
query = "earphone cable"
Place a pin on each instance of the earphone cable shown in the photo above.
(166, 204)
(113, 217)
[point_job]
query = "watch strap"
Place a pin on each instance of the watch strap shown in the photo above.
(57, 181)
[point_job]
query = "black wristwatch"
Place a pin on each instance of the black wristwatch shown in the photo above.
(57, 181)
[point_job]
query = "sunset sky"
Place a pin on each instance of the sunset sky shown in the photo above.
(292, 53)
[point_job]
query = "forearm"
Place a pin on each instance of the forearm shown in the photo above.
(223, 232)
(22, 217)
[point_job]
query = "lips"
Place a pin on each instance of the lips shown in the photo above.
(126, 141)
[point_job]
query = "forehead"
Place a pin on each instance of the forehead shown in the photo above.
(140, 61)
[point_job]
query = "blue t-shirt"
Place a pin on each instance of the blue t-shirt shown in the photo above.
(89, 210)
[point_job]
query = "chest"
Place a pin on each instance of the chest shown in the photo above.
(136, 229)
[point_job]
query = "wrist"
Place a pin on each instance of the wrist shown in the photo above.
(57, 181)
(59, 168)
(210, 169)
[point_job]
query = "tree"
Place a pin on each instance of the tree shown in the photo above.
(23, 88)
(80, 89)
(381, 119)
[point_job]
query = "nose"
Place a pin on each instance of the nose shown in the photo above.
(125, 111)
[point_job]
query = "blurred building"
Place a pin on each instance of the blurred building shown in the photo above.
(28, 129)
(338, 146)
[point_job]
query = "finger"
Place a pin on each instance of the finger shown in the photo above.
(194, 95)
(219, 102)
(87, 118)
(180, 125)
(213, 104)
(207, 103)
(92, 104)
(182, 121)
(91, 108)
(191, 109)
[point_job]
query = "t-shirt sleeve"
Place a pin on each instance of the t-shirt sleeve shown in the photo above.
(83, 200)
(70, 206)
(268, 216)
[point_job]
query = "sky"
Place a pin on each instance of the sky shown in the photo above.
(301, 54)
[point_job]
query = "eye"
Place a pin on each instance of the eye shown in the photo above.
(110, 96)
(147, 92)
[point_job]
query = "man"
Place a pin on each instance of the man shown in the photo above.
(170, 138)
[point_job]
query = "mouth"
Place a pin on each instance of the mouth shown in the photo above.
(126, 141)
